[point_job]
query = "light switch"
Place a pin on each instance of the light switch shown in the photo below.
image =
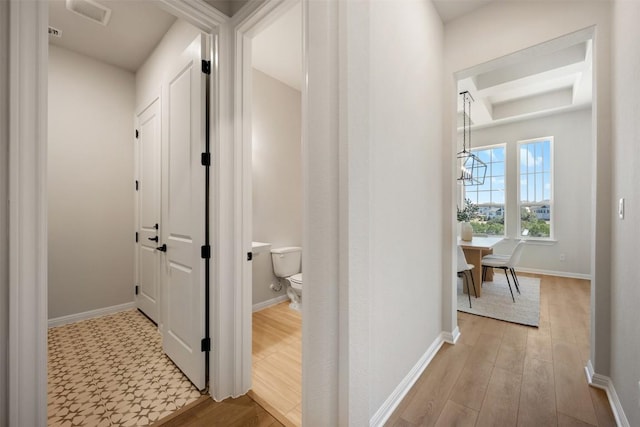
(621, 208)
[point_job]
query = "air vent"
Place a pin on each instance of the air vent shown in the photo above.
(91, 10)
(54, 32)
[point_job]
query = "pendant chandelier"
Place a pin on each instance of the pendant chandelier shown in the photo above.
(472, 170)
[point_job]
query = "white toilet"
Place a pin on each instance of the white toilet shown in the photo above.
(287, 264)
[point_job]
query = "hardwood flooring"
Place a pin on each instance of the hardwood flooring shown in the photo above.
(276, 396)
(520, 376)
(277, 362)
(239, 412)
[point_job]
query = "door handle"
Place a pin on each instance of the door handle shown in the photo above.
(153, 239)
(162, 248)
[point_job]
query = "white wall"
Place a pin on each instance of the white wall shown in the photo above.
(372, 153)
(625, 330)
(277, 171)
(406, 189)
(90, 184)
(572, 189)
(4, 239)
(148, 79)
(496, 30)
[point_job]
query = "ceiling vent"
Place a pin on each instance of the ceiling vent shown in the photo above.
(90, 10)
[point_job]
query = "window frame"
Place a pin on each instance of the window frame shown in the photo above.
(505, 148)
(552, 172)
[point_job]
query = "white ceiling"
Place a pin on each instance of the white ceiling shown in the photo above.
(452, 9)
(277, 50)
(552, 78)
(134, 30)
(548, 78)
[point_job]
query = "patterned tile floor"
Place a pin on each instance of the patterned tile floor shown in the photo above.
(111, 371)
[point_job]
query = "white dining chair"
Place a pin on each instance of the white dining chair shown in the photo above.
(506, 263)
(464, 271)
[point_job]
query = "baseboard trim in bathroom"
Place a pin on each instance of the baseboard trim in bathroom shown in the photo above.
(270, 302)
(72, 318)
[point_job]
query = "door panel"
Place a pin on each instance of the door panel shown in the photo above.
(183, 214)
(149, 133)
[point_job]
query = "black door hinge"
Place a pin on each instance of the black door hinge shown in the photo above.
(205, 159)
(206, 67)
(137, 185)
(205, 344)
(136, 289)
(249, 256)
(136, 237)
(205, 252)
(137, 134)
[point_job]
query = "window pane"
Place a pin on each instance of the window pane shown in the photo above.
(484, 197)
(490, 195)
(497, 154)
(497, 197)
(547, 186)
(497, 169)
(535, 189)
(539, 187)
(484, 155)
(497, 183)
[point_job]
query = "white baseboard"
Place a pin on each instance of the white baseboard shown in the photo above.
(386, 410)
(268, 303)
(555, 273)
(72, 318)
(605, 383)
(451, 337)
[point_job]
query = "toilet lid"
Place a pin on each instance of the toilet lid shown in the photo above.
(296, 281)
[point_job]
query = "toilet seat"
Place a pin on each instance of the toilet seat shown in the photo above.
(296, 281)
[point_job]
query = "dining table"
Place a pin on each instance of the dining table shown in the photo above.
(474, 250)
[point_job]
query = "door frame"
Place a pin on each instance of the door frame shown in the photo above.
(137, 154)
(28, 263)
(599, 341)
(245, 29)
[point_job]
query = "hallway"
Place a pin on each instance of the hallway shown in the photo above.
(500, 373)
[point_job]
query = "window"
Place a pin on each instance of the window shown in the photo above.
(490, 196)
(535, 189)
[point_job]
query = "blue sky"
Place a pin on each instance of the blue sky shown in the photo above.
(534, 174)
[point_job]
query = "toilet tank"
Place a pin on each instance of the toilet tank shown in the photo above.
(286, 261)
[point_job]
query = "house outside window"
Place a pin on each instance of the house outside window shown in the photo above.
(535, 188)
(490, 196)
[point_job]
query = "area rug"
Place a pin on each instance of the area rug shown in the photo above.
(496, 300)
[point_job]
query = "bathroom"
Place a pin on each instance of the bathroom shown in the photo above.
(277, 216)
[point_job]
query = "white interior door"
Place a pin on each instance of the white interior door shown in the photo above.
(149, 131)
(183, 213)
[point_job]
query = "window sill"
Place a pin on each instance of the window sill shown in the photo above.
(540, 242)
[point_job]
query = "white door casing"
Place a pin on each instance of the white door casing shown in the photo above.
(148, 144)
(28, 59)
(183, 213)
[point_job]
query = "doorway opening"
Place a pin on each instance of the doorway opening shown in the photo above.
(532, 115)
(272, 207)
(128, 136)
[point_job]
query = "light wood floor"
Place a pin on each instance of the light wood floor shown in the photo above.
(276, 396)
(503, 374)
(277, 362)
